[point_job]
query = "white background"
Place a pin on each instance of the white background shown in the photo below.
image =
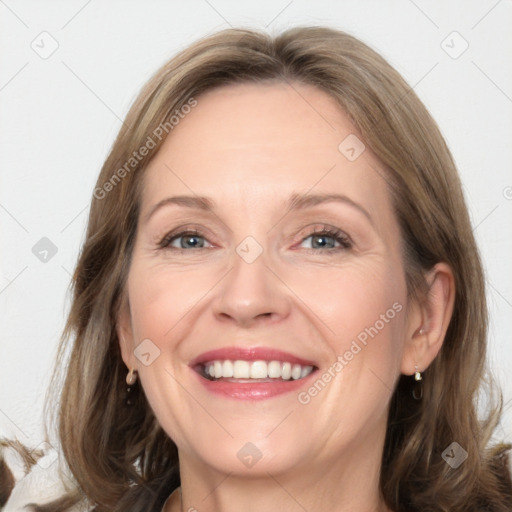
(59, 116)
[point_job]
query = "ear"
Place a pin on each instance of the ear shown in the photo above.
(428, 320)
(125, 335)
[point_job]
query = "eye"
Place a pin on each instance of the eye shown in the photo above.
(327, 238)
(184, 240)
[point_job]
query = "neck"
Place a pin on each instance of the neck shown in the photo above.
(347, 483)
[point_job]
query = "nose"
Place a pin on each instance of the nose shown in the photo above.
(250, 294)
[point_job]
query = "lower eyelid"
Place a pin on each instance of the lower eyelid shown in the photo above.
(343, 246)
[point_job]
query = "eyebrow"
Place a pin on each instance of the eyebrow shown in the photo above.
(302, 201)
(196, 202)
(295, 202)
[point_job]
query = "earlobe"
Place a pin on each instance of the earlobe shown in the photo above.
(125, 334)
(429, 321)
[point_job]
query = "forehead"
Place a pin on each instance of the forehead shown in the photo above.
(263, 142)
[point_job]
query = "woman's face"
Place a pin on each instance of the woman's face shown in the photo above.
(268, 254)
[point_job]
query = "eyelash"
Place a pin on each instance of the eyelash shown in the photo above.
(326, 231)
(336, 234)
(167, 239)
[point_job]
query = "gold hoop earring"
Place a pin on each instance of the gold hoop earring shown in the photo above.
(417, 390)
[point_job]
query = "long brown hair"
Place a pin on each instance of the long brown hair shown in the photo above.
(119, 456)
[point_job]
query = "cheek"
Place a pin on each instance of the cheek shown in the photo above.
(161, 302)
(161, 298)
(352, 295)
(360, 311)
(161, 305)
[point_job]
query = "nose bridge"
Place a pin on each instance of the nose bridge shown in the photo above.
(251, 291)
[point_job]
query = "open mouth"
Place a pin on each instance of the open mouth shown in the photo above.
(241, 371)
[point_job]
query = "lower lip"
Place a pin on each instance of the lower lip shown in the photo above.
(252, 390)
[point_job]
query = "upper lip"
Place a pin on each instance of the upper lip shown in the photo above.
(249, 354)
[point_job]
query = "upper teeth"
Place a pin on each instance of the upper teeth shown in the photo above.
(241, 369)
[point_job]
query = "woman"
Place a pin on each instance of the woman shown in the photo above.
(279, 304)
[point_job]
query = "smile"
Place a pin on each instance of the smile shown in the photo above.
(255, 370)
(251, 373)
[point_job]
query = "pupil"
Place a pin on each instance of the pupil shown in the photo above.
(191, 241)
(322, 241)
